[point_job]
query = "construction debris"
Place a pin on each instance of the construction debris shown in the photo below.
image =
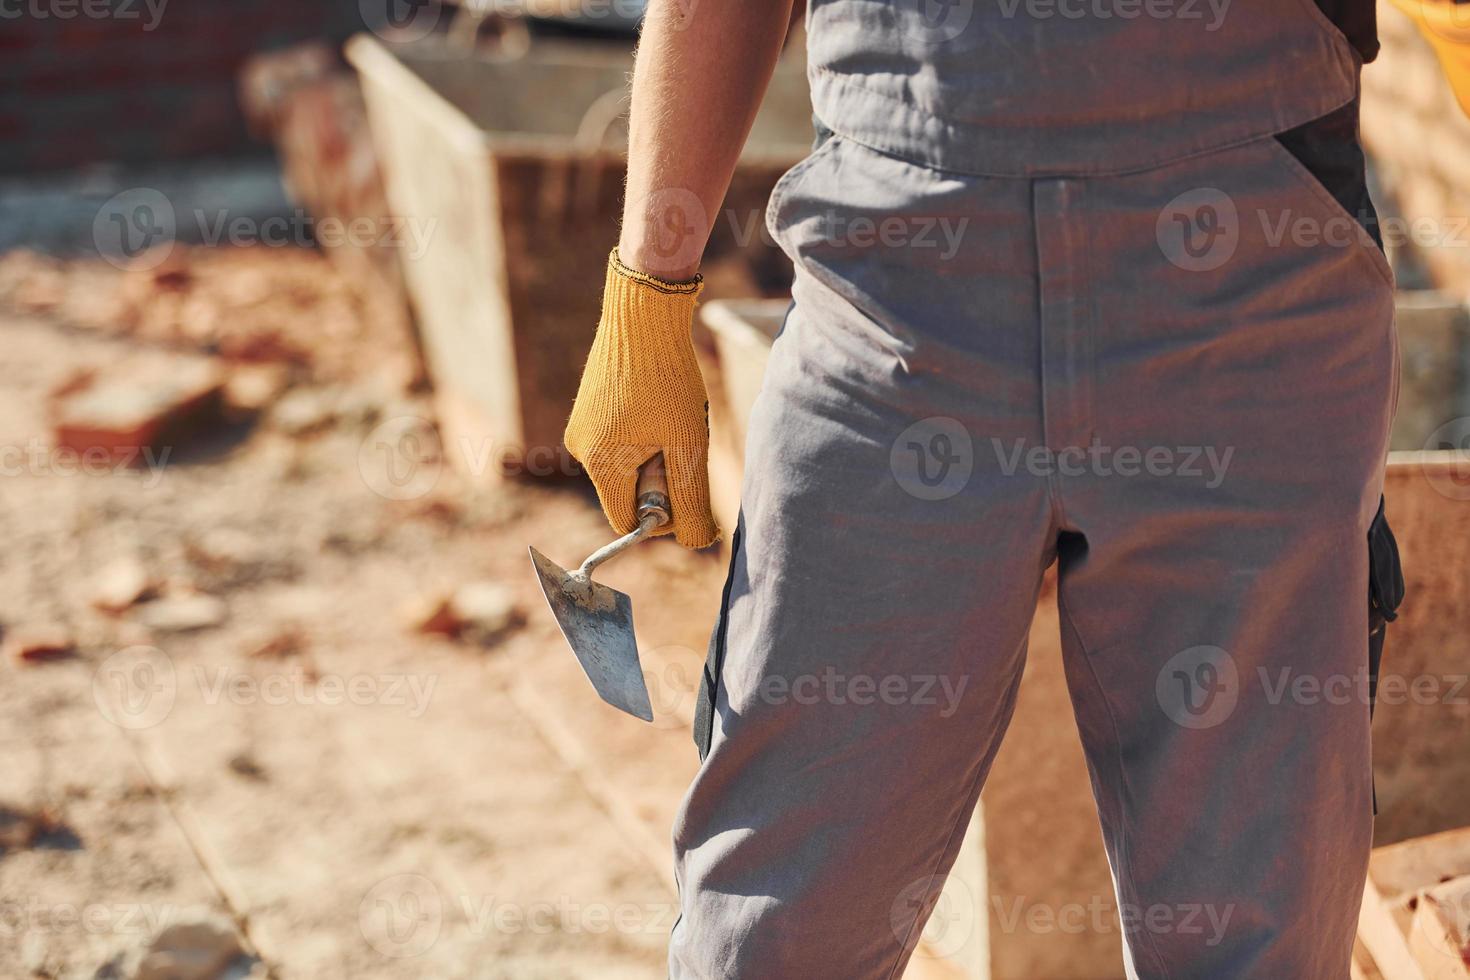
(1415, 919)
(121, 585)
(22, 828)
(283, 644)
(203, 948)
(136, 412)
(252, 388)
(1440, 935)
(476, 612)
(240, 304)
(183, 613)
(39, 644)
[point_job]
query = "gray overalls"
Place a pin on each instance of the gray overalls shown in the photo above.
(1061, 295)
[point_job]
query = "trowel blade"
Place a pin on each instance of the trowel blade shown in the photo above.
(598, 624)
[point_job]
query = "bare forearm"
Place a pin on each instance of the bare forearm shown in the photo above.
(697, 84)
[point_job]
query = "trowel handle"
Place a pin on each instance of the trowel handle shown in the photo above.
(653, 494)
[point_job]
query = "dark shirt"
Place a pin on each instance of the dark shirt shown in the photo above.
(1358, 20)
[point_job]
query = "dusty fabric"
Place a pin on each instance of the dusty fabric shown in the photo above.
(1168, 364)
(1165, 381)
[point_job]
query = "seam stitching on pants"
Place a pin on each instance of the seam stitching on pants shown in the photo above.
(1089, 374)
(1124, 864)
(1007, 706)
(948, 840)
(1053, 493)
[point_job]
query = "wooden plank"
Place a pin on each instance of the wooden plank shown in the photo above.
(1440, 936)
(1397, 875)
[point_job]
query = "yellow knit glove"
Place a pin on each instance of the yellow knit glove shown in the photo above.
(1446, 25)
(642, 394)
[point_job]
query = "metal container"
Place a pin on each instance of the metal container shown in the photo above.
(1434, 384)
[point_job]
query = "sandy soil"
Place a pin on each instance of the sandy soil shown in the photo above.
(363, 800)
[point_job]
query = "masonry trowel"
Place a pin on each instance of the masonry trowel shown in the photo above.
(598, 621)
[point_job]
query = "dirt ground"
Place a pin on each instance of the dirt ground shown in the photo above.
(292, 755)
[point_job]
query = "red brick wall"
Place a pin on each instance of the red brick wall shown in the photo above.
(138, 81)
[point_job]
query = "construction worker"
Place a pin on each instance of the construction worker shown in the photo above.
(1152, 341)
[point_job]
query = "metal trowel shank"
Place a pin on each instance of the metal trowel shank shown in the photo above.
(598, 621)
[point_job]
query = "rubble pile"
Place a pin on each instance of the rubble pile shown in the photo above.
(289, 306)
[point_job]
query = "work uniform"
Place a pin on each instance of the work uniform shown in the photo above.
(1085, 287)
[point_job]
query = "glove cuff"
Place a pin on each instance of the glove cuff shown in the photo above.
(646, 321)
(616, 269)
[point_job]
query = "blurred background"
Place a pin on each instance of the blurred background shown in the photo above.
(293, 302)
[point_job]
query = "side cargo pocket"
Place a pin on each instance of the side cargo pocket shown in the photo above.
(709, 684)
(1385, 593)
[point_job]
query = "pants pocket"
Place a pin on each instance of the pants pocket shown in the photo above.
(709, 683)
(1328, 158)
